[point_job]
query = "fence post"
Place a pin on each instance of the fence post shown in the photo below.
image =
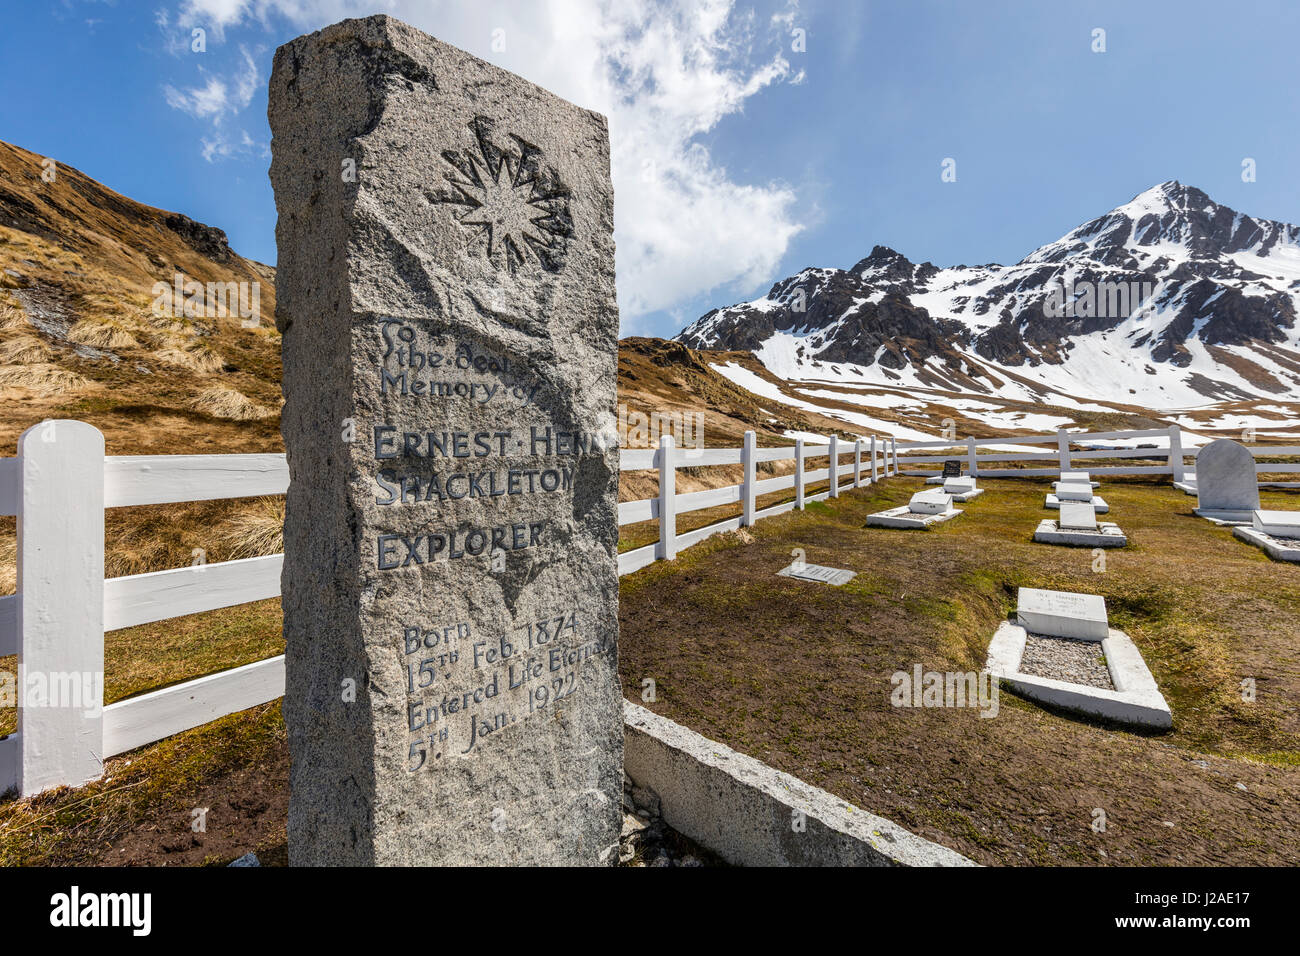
(1176, 453)
(893, 444)
(667, 498)
(60, 606)
(834, 459)
(798, 473)
(857, 462)
(875, 464)
(747, 493)
(1063, 449)
(972, 458)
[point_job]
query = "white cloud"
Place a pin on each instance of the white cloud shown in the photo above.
(663, 72)
(211, 99)
(220, 99)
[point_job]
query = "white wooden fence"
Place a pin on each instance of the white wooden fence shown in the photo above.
(1075, 450)
(59, 486)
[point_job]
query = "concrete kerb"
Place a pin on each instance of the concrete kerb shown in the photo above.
(751, 814)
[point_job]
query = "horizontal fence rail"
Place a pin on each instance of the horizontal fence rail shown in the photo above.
(61, 483)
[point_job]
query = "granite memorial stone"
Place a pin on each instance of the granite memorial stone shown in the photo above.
(447, 304)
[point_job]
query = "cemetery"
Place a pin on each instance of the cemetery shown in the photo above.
(509, 665)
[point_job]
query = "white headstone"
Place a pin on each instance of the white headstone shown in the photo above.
(1225, 478)
(1074, 491)
(959, 486)
(929, 503)
(1075, 476)
(1062, 614)
(1278, 524)
(1077, 516)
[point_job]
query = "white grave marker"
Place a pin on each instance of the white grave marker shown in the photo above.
(1062, 614)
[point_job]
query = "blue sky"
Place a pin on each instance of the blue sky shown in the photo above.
(738, 159)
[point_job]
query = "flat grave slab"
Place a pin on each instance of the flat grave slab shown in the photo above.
(962, 489)
(1107, 534)
(1061, 670)
(819, 573)
(930, 502)
(1098, 503)
(1093, 484)
(1078, 516)
(1277, 524)
(905, 518)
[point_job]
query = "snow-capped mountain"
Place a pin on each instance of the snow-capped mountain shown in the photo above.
(1170, 299)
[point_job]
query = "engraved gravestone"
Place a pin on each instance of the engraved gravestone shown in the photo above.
(1062, 614)
(446, 297)
(952, 468)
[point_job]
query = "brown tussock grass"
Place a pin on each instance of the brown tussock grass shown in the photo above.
(42, 378)
(197, 358)
(101, 335)
(12, 317)
(23, 350)
(9, 560)
(222, 402)
(256, 530)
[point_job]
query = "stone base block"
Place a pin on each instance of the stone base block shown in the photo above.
(741, 809)
(1230, 518)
